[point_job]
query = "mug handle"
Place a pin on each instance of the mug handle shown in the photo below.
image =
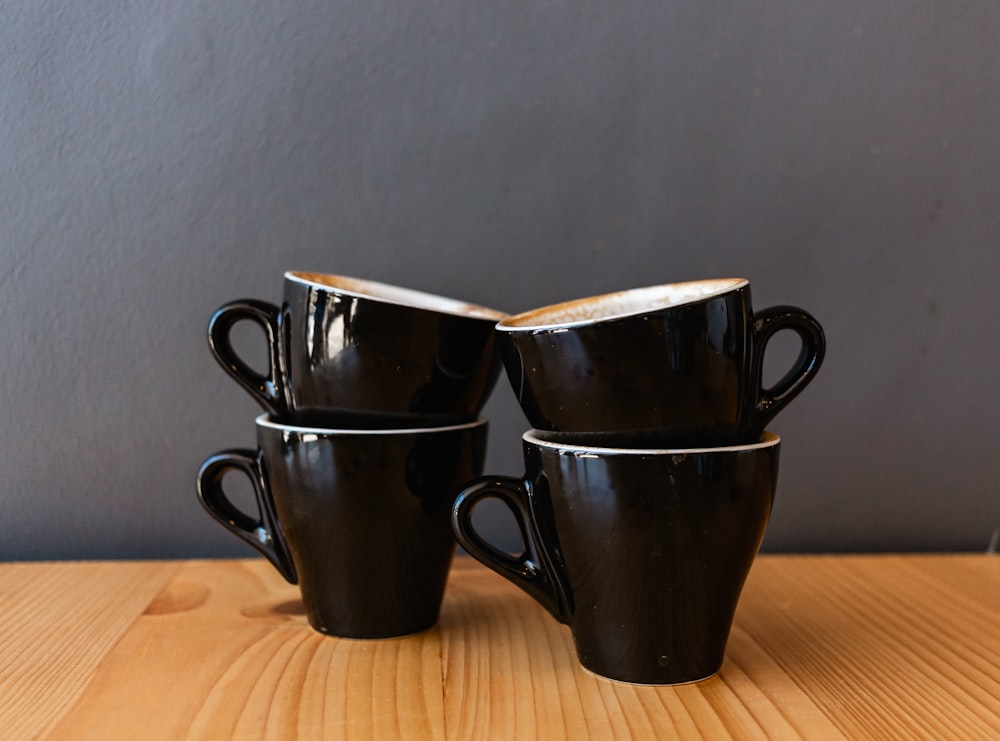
(534, 570)
(267, 390)
(262, 532)
(766, 324)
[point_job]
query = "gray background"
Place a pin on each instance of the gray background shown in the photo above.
(161, 158)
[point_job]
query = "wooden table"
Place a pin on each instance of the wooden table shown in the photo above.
(823, 647)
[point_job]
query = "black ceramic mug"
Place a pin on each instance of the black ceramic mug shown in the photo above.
(677, 364)
(643, 553)
(342, 350)
(360, 519)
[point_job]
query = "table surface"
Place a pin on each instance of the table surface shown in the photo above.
(822, 647)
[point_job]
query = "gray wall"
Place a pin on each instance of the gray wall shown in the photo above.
(161, 158)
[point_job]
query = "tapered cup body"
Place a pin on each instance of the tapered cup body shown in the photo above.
(363, 516)
(643, 553)
(671, 365)
(349, 352)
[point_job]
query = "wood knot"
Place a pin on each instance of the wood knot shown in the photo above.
(178, 596)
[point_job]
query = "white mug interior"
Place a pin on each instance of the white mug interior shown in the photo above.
(619, 305)
(342, 284)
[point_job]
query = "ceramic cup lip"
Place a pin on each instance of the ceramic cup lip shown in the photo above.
(619, 305)
(390, 294)
(536, 437)
(268, 422)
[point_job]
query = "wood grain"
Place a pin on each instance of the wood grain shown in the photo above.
(885, 646)
(524, 682)
(823, 647)
(227, 653)
(57, 621)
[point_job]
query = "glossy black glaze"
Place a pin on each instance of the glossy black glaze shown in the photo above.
(642, 553)
(341, 349)
(682, 375)
(360, 518)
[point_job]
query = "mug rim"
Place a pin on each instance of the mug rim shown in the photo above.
(632, 302)
(267, 422)
(392, 294)
(768, 439)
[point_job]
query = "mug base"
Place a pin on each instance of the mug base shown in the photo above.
(650, 683)
(361, 634)
(344, 419)
(647, 439)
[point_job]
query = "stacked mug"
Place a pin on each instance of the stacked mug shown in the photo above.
(649, 474)
(372, 398)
